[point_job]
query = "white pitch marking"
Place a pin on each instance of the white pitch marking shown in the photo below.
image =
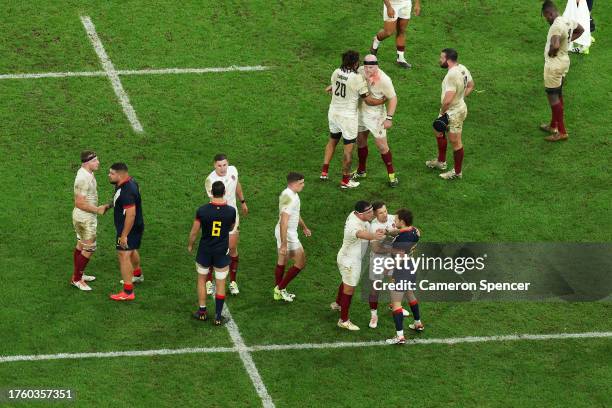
(455, 340)
(135, 353)
(247, 360)
(161, 71)
(305, 346)
(108, 67)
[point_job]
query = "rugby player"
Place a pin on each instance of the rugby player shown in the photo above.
(396, 15)
(228, 175)
(376, 119)
(216, 220)
(457, 84)
(129, 226)
(561, 33)
(287, 239)
(404, 244)
(84, 218)
(347, 88)
(356, 232)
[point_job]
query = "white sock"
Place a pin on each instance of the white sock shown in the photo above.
(375, 43)
(374, 312)
(417, 322)
(400, 56)
(400, 333)
(202, 307)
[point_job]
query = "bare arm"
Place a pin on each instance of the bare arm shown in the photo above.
(81, 203)
(240, 196)
(555, 44)
(370, 100)
(448, 98)
(392, 106)
(130, 217)
(371, 236)
(469, 88)
(417, 7)
(284, 224)
(304, 227)
(193, 234)
(578, 31)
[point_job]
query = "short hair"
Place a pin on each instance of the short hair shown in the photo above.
(87, 155)
(377, 205)
(349, 59)
(362, 206)
(219, 157)
(218, 189)
(293, 176)
(451, 54)
(405, 215)
(548, 5)
(119, 166)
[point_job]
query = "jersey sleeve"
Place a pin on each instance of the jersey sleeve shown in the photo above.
(285, 203)
(80, 186)
(558, 29)
(232, 170)
(359, 84)
(128, 199)
(208, 186)
(452, 85)
(387, 88)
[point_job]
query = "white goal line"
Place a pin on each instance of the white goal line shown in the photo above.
(161, 71)
(304, 346)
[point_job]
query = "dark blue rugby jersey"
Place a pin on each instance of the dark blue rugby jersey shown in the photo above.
(127, 195)
(406, 240)
(217, 220)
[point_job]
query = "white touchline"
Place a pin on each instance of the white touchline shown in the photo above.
(247, 360)
(161, 71)
(304, 346)
(108, 67)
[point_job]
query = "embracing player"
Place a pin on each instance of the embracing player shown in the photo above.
(396, 15)
(349, 259)
(216, 219)
(287, 239)
(347, 88)
(228, 175)
(457, 85)
(404, 244)
(376, 119)
(84, 218)
(556, 65)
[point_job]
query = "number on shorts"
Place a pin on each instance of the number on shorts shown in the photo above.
(216, 229)
(340, 89)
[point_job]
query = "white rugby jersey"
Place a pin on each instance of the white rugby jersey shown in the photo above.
(383, 87)
(347, 88)
(85, 184)
(289, 203)
(352, 249)
(230, 181)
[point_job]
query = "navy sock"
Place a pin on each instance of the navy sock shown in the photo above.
(414, 306)
(398, 317)
(219, 300)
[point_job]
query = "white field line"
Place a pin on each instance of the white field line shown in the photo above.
(247, 360)
(161, 71)
(305, 346)
(108, 67)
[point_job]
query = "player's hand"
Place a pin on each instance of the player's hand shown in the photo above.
(328, 89)
(417, 9)
(190, 248)
(307, 232)
(387, 124)
(123, 242)
(283, 249)
(101, 210)
(379, 234)
(391, 12)
(245, 209)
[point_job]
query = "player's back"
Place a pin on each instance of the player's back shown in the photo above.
(216, 222)
(456, 79)
(562, 27)
(347, 88)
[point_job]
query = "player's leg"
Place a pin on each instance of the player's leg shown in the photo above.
(555, 100)
(350, 279)
(400, 42)
(385, 154)
(234, 239)
(398, 318)
(281, 262)
(387, 31)
(347, 162)
(85, 247)
(330, 148)
(299, 263)
(439, 162)
(203, 272)
(414, 307)
(373, 301)
(220, 276)
(125, 266)
(455, 172)
(135, 259)
(362, 153)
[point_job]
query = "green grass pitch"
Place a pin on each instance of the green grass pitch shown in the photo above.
(516, 188)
